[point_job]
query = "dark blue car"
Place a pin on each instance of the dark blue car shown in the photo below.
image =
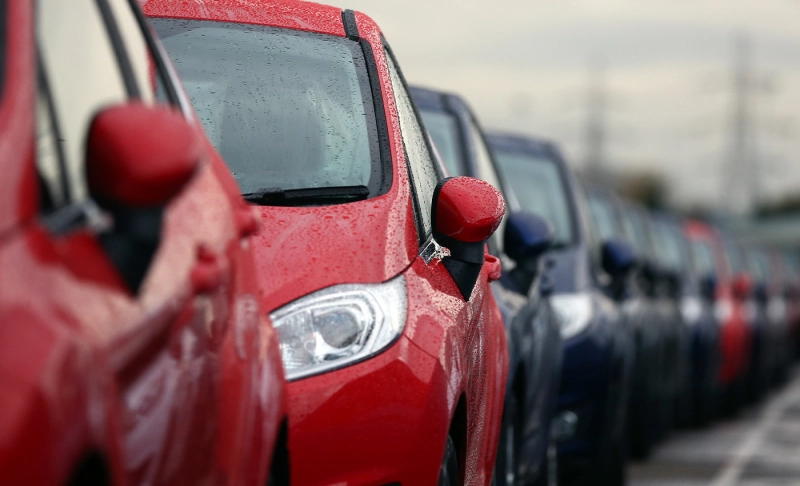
(641, 314)
(689, 283)
(597, 347)
(534, 340)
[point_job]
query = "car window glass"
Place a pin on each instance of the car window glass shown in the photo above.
(423, 171)
(286, 109)
(638, 233)
(487, 172)
(603, 216)
(483, 159)
(48, 153)
(670, 244)
(539, 188)
(135, 48)
(443, 128)
(83, 73)
(702, 258)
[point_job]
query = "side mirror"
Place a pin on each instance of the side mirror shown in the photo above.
(527, 236)
(617, 258)
(137, 159)
(140, 156)
(465, 213)
(708, 286)
(742, 286)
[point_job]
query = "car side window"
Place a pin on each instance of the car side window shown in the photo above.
(424, 175)
(92, 55)
(137, 39)
(487, 172)
(83, 74)
(49, 153)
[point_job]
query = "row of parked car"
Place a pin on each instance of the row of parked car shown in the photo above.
(236, 247)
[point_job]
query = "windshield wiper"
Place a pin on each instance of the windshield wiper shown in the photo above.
(308, 196)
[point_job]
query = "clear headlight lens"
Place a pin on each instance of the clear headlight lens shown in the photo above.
(339, 325)
(723, 311)
(691, 309)
(574, 312)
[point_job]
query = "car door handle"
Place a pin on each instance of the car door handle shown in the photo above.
(494, 267)
(248, 222)
(210, 271)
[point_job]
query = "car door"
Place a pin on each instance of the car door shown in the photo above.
(161, 343)
(476, 322)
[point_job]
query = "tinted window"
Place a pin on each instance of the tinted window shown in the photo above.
(603, 216)
(483, 160)
(443, 128)
(286, 109)
(670, 246)
(423, 171)
(539, 187)
(637, 230)
(702, 258)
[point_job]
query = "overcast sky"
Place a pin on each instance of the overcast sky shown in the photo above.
(524, 66)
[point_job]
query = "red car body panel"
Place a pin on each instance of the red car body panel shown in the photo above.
(385, 419)
(172, 386)
(735, 332)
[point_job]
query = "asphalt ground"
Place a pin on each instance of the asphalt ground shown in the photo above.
(760, 446)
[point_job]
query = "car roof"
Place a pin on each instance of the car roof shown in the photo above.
(524, 143)
(428, 99)
(290, 14)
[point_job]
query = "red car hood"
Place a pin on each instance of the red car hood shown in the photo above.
(304, 249)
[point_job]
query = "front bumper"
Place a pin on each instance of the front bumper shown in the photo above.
(384, 420)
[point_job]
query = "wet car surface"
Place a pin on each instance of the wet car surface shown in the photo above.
(394, 350)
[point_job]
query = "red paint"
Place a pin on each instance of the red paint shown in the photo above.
(181, 384)
(468, 209)
(735, 331)
(384, 419)
(139, 155)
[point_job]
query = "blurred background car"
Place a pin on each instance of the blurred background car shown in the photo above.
(133, 346)
(372, 264)
(641, 317)
(532, 328)
(598, 352)
(735, 338)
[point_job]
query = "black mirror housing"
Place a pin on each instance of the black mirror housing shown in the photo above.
(617, 258)
(527, 236)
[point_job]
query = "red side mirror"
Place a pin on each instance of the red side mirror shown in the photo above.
(140, 156)
(467, 210)
(742, 286)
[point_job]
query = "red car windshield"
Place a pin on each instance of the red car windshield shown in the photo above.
(288, 110)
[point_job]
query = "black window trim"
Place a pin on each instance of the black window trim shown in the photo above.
(44, 88)
(157, 55)
(384, 146)
(123, 61)
(422, 235)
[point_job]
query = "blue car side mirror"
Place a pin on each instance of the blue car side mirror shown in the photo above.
(617, 258)
(527, 236)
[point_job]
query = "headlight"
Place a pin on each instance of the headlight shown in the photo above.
(691, 309)
(574, 312)
(723, 311)
(340, 325)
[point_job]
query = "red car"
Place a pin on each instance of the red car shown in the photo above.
(132, 347)
(731, 290)
(374, 266)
